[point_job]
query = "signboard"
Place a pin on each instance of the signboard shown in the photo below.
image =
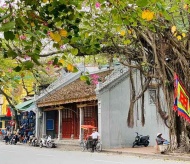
(50, 124)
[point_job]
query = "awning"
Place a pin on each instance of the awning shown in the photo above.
(32, 107)
(25, 105)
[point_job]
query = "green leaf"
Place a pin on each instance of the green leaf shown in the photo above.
(12, 54)
(75, 70)
(9, 35)
(142, 3)
(17, 69)
(88, 82)
(55, 61)
(7, 26)
(74, 51)
(84, 78)
(127, 42)
(28, 64)
(1, 79)
(63, 57)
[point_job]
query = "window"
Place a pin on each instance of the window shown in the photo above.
(152, 96)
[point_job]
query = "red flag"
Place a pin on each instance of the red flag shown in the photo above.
(184, 100)
(9, 113)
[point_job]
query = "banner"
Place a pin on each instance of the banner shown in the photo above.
(181, 99)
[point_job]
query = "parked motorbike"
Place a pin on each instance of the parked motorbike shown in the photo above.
(141, 140)
(47, 142)
(13, 139)
(33, 141)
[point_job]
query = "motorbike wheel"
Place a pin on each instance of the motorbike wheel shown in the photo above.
(146, 143)
(35, 143)
(134, 143)
(49, 145)
(82, 145)
(98, 147)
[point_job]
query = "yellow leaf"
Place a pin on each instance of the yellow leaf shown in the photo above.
(63, 33)
(51, 34)
(175, 34)
(44, 1)
(32, 24)
(61, 61)
(70, 67)
(129, 32)
(148, 15)
(144, 14)
(118, 28)
(179, 37)
(3, 74)
(57, 37)
(86, 35)
(122, 33)
(183, 34)
(22, 74)
(186, 6)
(173, 29)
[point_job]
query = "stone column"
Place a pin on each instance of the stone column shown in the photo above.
(37, 124)
(60, 124)
(44, 124)
(81, 135)
(99, 118)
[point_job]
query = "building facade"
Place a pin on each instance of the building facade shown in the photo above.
(113, 106)
(67, 104)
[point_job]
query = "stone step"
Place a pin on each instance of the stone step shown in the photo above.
(71, 142)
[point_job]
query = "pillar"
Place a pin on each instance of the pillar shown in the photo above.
(60, 124)
(44, 125)
(81, 135)
(99, 118)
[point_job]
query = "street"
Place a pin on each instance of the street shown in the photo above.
(24, 154)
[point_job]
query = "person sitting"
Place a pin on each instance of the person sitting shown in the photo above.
(160, 140)
(95, 136)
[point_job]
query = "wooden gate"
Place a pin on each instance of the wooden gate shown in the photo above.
(91, 115)
(70, 124)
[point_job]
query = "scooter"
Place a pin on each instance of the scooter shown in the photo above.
(141, 140)
(33, 141)
(13, 140)
(47, 142)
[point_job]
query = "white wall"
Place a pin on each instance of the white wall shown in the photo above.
(115, 100)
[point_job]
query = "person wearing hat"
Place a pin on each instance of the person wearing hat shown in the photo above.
(159, 139)
(95, 136)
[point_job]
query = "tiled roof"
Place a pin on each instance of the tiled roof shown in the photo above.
(76, 91)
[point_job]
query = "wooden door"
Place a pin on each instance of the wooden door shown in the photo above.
(67, 125)
(70, 124)
(90, 118)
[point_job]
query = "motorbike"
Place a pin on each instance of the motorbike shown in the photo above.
(47, 142)
(33, 141)
(141, 140)
(13, 139)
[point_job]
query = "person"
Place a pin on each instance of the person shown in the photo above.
(95, 136)
(161, 140)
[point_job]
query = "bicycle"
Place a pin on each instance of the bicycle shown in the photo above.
(86, 145)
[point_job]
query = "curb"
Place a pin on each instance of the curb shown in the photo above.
(155, 156)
